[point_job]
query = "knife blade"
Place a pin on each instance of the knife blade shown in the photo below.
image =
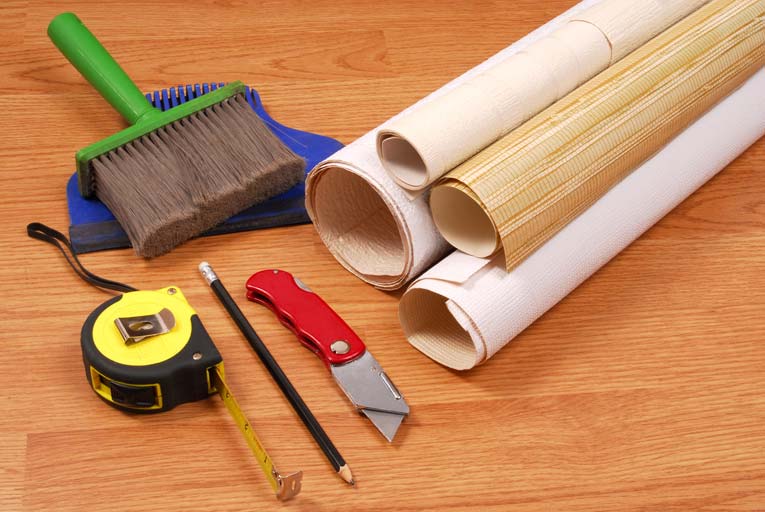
(325, 333)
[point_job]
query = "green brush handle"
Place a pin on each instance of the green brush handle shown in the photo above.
(91, 59)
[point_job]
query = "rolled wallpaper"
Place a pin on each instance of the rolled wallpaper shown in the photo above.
(522, 189)
(423, 144)
(464, 309)
(369, 224)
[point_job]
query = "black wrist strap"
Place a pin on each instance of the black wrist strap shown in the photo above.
(58, 239)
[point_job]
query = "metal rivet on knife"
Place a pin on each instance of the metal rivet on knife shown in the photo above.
(340, 347)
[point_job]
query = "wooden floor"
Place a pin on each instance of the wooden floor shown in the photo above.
(643, 390)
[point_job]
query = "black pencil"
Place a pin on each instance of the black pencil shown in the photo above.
(310, 421)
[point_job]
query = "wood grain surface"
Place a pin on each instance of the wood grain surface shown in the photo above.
(643, 390)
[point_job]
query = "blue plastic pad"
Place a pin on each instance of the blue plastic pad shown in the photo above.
(94, 228)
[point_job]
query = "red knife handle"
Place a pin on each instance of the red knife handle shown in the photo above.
(316, 325)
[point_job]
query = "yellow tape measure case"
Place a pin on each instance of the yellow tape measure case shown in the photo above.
(147, 351)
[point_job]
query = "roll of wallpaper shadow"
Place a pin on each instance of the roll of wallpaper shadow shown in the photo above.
(522, 189)
(463, 310)
(422, 145)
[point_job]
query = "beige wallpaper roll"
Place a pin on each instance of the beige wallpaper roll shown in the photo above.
(526, 186)
(465, 309)
(373, 228)
(419, 147)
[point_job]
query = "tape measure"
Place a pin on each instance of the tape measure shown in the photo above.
(147, 352)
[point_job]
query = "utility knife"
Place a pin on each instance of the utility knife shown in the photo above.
(321, 330)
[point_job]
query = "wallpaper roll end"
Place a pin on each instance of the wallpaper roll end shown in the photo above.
(354, 222)
(462, 219)
(433, 329)
(402, 161)
(417, 157)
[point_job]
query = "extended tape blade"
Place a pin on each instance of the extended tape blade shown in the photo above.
(285, 486)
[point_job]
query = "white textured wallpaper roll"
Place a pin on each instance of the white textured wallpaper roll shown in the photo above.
(419, 147)
(464, 309)
(375, 229)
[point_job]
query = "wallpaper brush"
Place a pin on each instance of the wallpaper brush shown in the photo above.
(172, 175)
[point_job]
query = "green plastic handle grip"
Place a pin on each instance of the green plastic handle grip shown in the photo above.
(82, 49)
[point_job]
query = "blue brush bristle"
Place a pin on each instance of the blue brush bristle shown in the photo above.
(166, 99)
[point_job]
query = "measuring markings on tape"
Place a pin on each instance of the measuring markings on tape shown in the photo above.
(285, 486)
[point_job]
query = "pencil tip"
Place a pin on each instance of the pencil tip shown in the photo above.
(345, 474)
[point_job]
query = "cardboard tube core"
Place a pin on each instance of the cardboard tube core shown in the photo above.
(402, 161)
(462, 221)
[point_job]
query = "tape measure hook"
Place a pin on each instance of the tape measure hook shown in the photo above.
(289, 485)
(137, 328)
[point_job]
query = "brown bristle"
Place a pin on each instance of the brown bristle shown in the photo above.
(191, 175)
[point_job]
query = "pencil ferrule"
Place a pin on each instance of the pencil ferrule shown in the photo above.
(207, 272)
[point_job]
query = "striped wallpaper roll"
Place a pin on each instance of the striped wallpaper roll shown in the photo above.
(525, 187)
(465, 309)
(421, 146)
